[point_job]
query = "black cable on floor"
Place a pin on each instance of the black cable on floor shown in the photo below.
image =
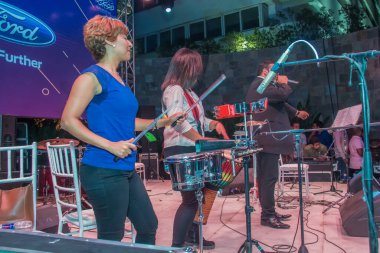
(324, 234)
(262, 243)
(162, 193)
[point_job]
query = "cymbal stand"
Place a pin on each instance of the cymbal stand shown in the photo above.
(254, 188)
(247, 245)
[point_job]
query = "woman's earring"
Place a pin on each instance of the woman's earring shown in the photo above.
(113, 45)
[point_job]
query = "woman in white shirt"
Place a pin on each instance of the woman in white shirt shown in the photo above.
(183, 73)
(356, 152)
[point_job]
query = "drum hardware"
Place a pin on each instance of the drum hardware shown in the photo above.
(237, 110)
(190, 171)
(212, 145)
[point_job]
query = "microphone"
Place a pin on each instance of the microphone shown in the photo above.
(274, 70)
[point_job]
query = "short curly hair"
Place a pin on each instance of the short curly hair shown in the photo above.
(99, 29)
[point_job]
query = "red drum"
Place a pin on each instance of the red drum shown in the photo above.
(237, 110)
(227, 174)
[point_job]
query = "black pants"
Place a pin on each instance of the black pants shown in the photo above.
(342, 167)
(267, 176)
(115, 195)
(186, 211)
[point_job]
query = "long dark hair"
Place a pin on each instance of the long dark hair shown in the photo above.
(185, 68)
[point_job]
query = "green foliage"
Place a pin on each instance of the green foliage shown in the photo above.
(354, 18)
(236, 42)
(312, 25)
(307, 24)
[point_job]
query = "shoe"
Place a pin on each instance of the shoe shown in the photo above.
(207, 245)
(282, 217)
(192, 238)
(273, 222)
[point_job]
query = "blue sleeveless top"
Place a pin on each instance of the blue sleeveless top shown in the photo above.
(111, 115)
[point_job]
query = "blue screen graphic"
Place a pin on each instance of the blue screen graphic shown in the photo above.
(42, 52)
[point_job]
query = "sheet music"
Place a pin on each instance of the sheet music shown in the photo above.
(347, 116)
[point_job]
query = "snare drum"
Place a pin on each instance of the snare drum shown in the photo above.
(213, 170)
(186, 171)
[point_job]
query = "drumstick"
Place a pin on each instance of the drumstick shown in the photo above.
(148, 128)
(203, 96)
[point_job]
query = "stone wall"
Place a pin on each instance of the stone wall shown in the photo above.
(326, 85)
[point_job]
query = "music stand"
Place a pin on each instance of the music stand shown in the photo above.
(345, 117)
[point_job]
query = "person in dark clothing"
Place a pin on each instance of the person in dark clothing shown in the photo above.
(277, 115)
(324, 137)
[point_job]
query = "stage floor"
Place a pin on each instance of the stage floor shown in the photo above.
(230, 209)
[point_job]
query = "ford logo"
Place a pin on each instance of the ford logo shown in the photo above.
(19, 26)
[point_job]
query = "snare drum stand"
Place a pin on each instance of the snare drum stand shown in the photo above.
(199, 195)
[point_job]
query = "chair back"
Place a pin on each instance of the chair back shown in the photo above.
(63, 165)
(15, 169)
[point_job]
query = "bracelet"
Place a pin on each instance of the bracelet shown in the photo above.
(297, 113)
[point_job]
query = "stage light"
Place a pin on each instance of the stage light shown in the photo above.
(167, 5)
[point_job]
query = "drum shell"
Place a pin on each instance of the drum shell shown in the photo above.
(186, 171)
(213, 170)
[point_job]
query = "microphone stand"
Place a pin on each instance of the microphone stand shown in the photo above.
(359, 61)
(297, 137)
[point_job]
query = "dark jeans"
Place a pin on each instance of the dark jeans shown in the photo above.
(186, 211)
(115, 195)
(267, 176)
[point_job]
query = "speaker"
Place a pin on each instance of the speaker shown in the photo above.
(355, 185)
(354, 215)
(150, 160)
(237, 185)
(147, 112)
(8, 131)
(8, 138)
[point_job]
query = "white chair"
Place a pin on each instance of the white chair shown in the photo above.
(140, 169)
(63, 165)
(291, 170)
(16, 173)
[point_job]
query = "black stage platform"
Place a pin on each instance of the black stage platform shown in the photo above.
(35, 242)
